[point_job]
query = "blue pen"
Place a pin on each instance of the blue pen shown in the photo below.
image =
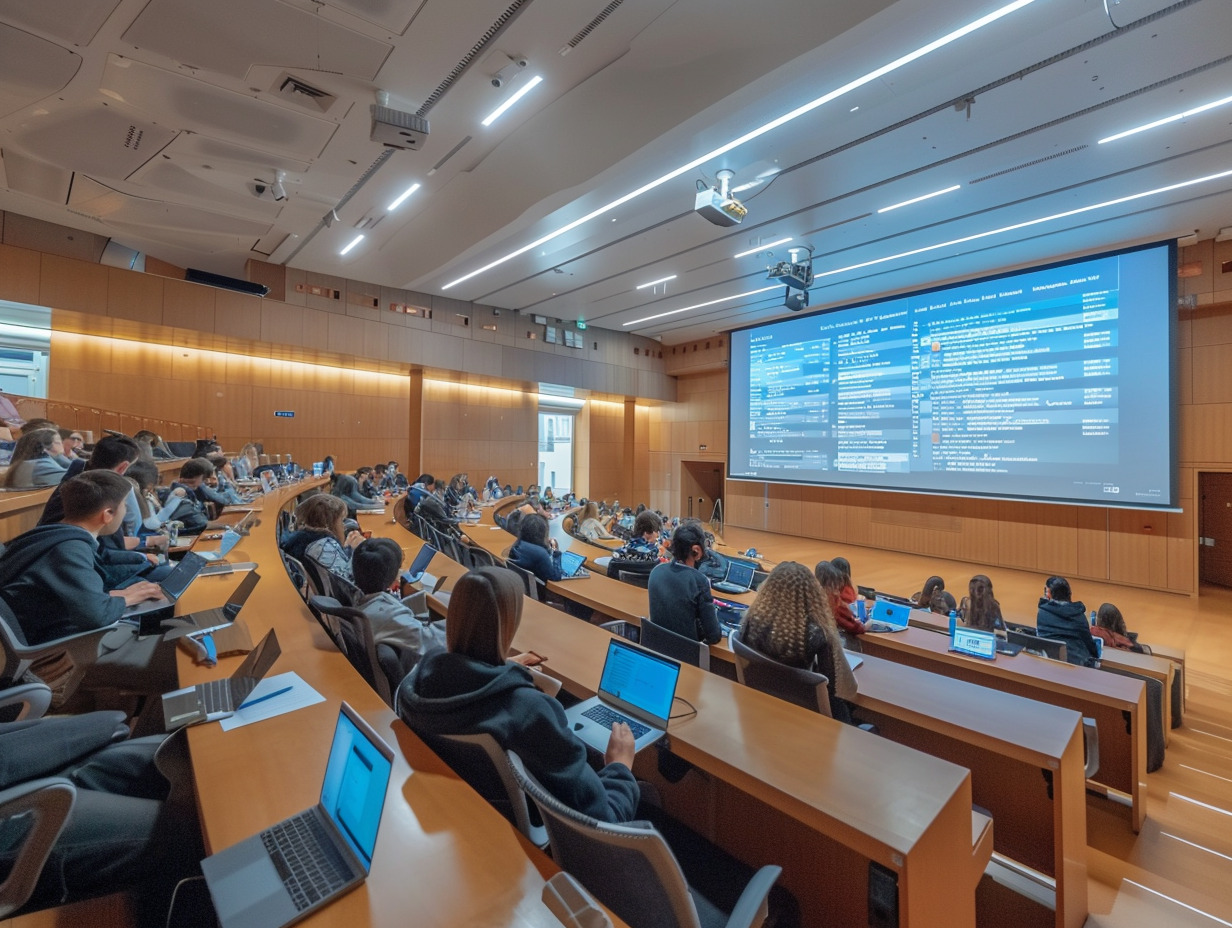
(252, 702)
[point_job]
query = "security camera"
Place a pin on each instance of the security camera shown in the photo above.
(498, 81)
(277, 189)
(521, 62)
(508, 72)
(259, 189)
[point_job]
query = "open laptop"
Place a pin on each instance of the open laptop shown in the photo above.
(974, 643)
(418, 572)
(208, 620)
(888, 616)
(173, 586)
(272, 879)
(230, 538)
(571, 566)
(217, 699)
(738, 579)
(637, 687)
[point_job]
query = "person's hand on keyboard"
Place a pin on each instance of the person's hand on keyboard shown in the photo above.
(620, 746)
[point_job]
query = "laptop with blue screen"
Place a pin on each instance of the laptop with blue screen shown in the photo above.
(571, 566)
(636, 687)
(888, 616)
(302, 863)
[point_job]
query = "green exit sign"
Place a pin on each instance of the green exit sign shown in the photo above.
(581, 324)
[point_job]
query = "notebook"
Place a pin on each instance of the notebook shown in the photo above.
(173, 586)
(888, 616)
(637, 687)
(571, 566)
(217, 699)
(974, 643)
(264, 882)
(738, 579)
(210, 619)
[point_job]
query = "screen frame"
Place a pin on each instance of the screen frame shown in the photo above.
(1173, 393)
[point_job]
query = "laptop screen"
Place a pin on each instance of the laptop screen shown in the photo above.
(422, 560)
(739, 574)
(890, 613)
(640, 678)
(356, 779)
(570, 562)
(974, 642)
(176, 582)
(242, 592)
(229, 540)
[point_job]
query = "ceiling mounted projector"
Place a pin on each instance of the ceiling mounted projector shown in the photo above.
(796, 273)
(717, 205)
(396, 129)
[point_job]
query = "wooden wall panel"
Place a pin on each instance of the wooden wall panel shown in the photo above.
(20, 272)
(479, 431)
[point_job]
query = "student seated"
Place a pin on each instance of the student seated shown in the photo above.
(679, 593)
(390, 479)
(375, 566)
(431, 509)
(158, 448)
(121, 834)
(74, 444)
(38, 460)
(154, 513)
(849, 588)
(51, 581)
(1110, 626)
(943, 603)
(979, 608)
(932, 585)
(247, 461)
(224, 476)
(534, 551)
(472, 688)
(366, 486)
(320, 537)
(640, 554)
(791, 622)
(589, 525)
(193, 510)
(835, 585)
(1066, 621)
(419, 489)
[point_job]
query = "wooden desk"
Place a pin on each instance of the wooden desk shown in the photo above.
(443, 853)
(1025, 757)
(1118, 704)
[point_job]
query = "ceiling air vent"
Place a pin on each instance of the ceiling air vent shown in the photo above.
(302, 94)
(1028, 164)
(591, 27)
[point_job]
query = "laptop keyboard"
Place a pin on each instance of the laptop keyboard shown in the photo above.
(604, 716)
(307, 861)
(216, 696)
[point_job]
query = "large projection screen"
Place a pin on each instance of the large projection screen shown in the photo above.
(1052, 384)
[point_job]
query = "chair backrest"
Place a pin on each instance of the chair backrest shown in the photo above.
(675, 646)
(1154, 720)
(483, 764)
(629, 868)
(803, 687)
(80, 650)
(48, 802)
(482, 557)
(529, 581)
(353, 636)
(297, 575)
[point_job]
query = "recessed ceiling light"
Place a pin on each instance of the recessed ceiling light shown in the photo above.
(853, 109)
(1028, 223)
(927, 196)
(753, 251)
(685, 309)
(402, 199)
(1167, 119)
(513, 98)
(655, 283)
(875, 74)
(355, 241)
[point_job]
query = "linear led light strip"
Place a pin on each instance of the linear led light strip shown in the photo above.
(755, 133)
(1167, 119)
(959, 241)
(1183, 905)
(1028, 223)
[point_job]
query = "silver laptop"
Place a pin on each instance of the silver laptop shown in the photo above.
(284, 873)
(230, 538)
(217, 699)
(571, 566)
(739, 578)
(173, 586)
(889, 617)
(637, 687)
(208, 620)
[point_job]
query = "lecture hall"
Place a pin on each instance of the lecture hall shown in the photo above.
(424, 378)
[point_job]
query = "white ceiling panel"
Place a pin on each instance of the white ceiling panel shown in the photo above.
(31, 69)
(119, 141)
(73, 21)
(29, 175)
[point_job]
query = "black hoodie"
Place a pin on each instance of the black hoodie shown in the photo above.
(451, 694)
(49, 579)
(1067, 622)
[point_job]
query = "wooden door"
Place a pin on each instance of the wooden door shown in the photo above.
(1215, 529)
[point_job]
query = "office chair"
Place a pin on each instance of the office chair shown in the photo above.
(47, 802)
(1154, 720)
(622, 629)
(482, 557)
(383, 666)
(632, 871)
(638, 578)
(297, 575)
(81, 649)
(803, 687)
(529, 581)
(483, 764)
(675, 646)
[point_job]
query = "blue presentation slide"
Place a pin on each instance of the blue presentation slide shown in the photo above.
(1053, 383)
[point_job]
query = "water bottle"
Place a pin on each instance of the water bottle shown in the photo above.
(953, 623)
(1094, 618)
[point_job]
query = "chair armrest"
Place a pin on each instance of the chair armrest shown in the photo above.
(35, 698)
(752, 907)
(50, 800)
(1090, 747)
